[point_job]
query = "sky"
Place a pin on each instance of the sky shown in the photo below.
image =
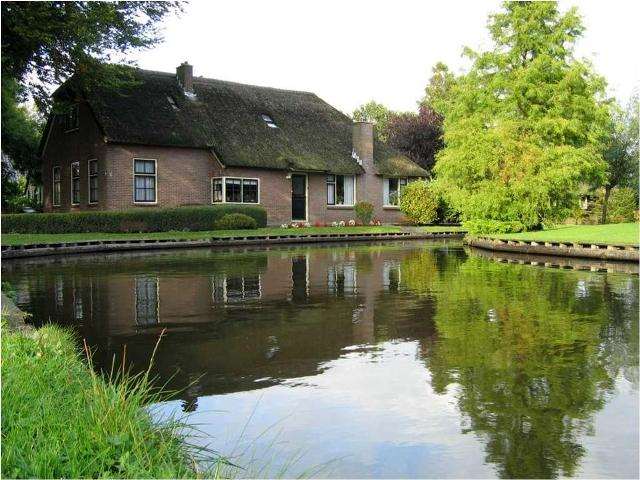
(351, 51)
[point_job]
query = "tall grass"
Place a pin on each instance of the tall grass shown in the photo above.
(61, 419)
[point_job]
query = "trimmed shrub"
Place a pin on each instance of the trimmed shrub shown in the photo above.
(419, 203)
(236, 221)
(137, 220)
(364, 212)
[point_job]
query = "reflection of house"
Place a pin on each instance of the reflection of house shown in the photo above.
(234, 317)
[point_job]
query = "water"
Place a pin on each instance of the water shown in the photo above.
(407, 359)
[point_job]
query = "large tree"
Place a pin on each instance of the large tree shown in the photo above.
(526, 125)
(419, 136)
(621, 154)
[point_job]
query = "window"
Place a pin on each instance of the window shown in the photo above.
(146, 300)
(235, 289)
(93, 181)
(393, 190)
(56, 186)
(269, 121)
(144, 173)
(75, 183)
(235, 190)
(72, 119)
(341, 279)
(341, 189)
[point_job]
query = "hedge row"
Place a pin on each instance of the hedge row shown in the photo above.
(138, 220)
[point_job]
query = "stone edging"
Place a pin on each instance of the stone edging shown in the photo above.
(625, 253)
(38, 250)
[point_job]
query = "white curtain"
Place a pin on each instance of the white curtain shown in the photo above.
(349, 190)
(386, 191)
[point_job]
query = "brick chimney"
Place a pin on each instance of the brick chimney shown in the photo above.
(363, 145)
(184, 74)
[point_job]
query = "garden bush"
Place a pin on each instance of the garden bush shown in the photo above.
(622, 207)
(137, 220)
(364, 212)
(236, 221)
(419, 202)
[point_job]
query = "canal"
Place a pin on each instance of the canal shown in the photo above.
(399, 359)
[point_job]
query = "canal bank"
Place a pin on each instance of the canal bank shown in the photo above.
(96, 246)
(600, 251)
(60, 419)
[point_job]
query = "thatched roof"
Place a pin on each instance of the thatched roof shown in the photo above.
(226, 118)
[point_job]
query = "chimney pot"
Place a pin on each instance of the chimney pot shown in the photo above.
(184, 74)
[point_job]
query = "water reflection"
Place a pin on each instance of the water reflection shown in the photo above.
(406, 359)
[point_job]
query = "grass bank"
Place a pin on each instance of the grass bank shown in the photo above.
(60, 419)
(615, 233)
(26, 239)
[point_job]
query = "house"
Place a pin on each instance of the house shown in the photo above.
(168, 140)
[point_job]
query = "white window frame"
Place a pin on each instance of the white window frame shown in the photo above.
(385, 182)
(335, 190)
(224, 190)
(155, 184)
(89, 176)
(72, 178)
(53, 185)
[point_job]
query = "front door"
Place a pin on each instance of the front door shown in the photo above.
(298, 197)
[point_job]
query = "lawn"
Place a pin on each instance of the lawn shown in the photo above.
(618, 233)
(26, 239)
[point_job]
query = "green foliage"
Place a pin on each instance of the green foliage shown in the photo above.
(50, 41)
(376, 113)
(419, 202)
(236, 221)
(364, 212)
(526, 125)
(438, 90)
(62, 420)
(622, 205)
(138, 220)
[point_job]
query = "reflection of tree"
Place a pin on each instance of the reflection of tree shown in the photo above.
(523, 345)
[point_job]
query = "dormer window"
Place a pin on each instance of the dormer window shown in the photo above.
(269, 121)
(71, 119)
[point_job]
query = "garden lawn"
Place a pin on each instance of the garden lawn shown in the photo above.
(28, 239)
(612, 234)
(62, 420)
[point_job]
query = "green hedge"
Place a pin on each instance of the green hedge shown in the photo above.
(138, 220)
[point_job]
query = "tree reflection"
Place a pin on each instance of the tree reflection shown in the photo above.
(530, 352)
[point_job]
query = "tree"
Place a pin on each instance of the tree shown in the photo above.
(621, 154)
(439, 87)
(375, 113)
(525, 126)
(44, 43)
(418, 136)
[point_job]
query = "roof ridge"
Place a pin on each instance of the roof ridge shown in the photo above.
(202, 79)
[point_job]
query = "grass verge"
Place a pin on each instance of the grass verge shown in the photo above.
(62, 420)
(614, 233)
(26, 239)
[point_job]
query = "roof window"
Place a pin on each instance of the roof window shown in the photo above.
(172, 102)
(269, 121)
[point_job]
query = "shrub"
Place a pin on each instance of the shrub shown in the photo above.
(492, 226)
(138, 220)
(364, 212)
(419, 203)
(236, 221)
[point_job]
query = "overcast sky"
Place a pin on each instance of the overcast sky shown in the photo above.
(352, 51)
